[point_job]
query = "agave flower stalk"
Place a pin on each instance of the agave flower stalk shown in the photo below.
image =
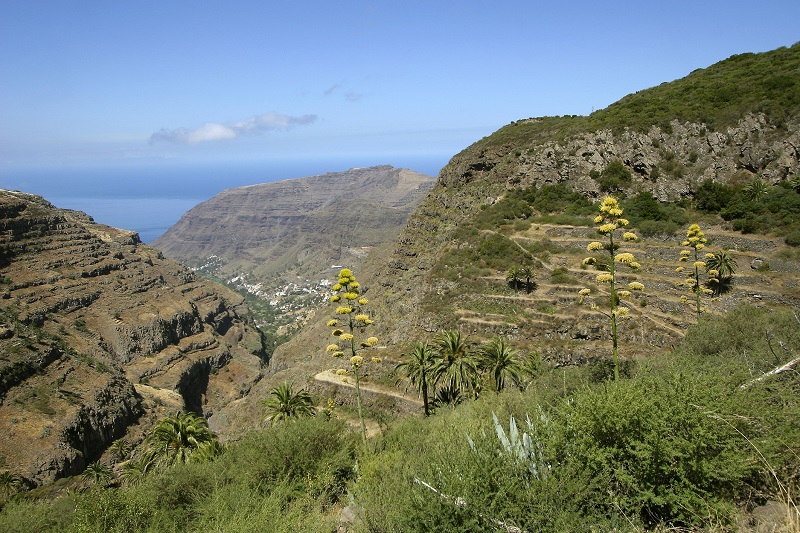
(694, 243)
(350, 320)
(609, 221)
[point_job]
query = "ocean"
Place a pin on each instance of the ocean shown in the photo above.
(149, 199)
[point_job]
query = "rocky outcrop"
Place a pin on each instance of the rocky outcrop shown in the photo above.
(88, 314)
(670, 162)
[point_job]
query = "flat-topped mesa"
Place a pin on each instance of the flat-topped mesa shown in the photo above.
(303, 224)
(89, 316)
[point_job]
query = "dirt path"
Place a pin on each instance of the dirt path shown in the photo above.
(329, 376)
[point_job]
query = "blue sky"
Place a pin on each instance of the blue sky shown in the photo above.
(87, 83)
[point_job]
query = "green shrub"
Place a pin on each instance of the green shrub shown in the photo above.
(793, 238)
(615, 177)
(652, 452)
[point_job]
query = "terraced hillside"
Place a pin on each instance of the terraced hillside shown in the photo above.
(99, 335)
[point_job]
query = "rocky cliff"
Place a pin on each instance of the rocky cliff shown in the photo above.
(100, 335)
(307, 222)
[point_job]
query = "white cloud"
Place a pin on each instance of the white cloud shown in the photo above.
(212, 131)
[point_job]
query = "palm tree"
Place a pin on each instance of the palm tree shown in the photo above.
(725, 265)
(120, 449)
(501, 362)
(447, 396)
(455, 365)
(526, 272)
(10, 484)
(756, 190)
(285, 404)
(179, 438)
(97, 473)
(513, 278)
(419, 370)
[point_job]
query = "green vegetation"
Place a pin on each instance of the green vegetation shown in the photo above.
(686, 441)
(720, 94)
(755, 207)
(614, 178)
(285, 479)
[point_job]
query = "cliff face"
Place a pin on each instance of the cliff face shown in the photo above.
(303, 224)
(100, 335)
(668, 161)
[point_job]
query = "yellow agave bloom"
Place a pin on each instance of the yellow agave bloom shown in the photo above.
(695, 231)
(679, 269)
(707, 291)
(356, 360)
(341, 372)
(332, 323)
(346, 336)
(355, 285)
(343, 310)
(629, 236)
(625, 257)
(335, 298)
(343, 282)
(588, 261)
(684, 299)
(338, 354)
(634, 265)
(623, 294)
(605, 277)
(621, 311)
(606, 228)
(350, 295)
(594, 246)
(332, 348)
(713, 273)
(683, 258)
(699, 264)
(685, 253)
(363, 301)
(361, 318)
(635, 286)
(622, 221)
(345, 273)
(372, 341)
(598, 219)
(585, 292)
(376, 359)
(700, 246)
(609, 203)
(337, 287)
(709, 256)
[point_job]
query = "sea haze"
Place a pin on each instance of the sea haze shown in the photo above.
(149, 199)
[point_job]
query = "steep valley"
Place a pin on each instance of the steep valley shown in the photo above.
(101, 336)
